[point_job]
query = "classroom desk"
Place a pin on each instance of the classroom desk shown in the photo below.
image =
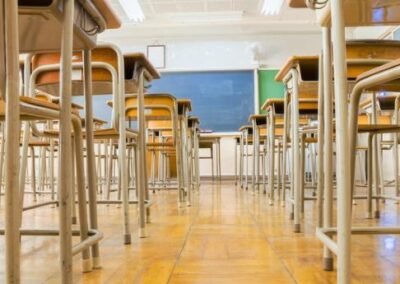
(25, 28)
(338, 14)
(194, 126)
(257, 121)
(300, 74)
(207, 141)
(184, 107)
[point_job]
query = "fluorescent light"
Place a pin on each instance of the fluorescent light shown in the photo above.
(133, 10)
(272, 7)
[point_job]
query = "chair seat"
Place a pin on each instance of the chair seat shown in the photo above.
(114, 133)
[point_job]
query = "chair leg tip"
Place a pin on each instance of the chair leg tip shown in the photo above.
(87, 265)
(142, 233)
(291, 217)
(96, 263)
(368, 215)
(377, 214)
(127, 239)
(328, 264)
(74, 220)
(296, 228)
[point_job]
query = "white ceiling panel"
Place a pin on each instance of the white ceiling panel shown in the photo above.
(224, 16)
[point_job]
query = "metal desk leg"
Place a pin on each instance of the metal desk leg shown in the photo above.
(90, 158)
(296, 151)
(343, 169)
(65, 161)
(255, 146)
(271, 178)
(12, 132)
(328, 142)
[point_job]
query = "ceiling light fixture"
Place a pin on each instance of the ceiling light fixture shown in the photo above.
(133, 10)
(272, 7)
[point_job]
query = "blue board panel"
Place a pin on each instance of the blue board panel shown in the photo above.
(100, 108)
(223, 100)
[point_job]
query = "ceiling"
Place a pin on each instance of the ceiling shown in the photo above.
(226, 17)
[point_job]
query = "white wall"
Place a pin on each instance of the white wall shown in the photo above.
(225, 53)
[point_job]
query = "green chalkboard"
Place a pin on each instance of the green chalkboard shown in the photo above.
(267, 86)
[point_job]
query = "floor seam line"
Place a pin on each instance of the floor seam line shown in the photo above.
(184, 243)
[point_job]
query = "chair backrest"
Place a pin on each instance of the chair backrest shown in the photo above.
(157, 107)
(102, 54)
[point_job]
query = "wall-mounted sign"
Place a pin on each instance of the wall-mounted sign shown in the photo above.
(156, 55)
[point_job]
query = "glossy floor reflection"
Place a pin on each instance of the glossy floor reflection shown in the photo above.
(228, 236)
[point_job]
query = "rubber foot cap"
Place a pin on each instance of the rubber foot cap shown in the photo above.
(296, 228)
(86, 265)
(377, 214)
(96, 263)
(328, 264)
(74, 220)
(127, 239)
(142, 233)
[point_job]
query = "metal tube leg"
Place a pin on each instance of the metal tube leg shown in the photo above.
(271, 178)
(247, 159)
(296, 152)
(90, 159)
(375, 159)
(33, 174)
(110, 165)
(302, 172)
(370, 176)
(255, 146)
(65, 161)
(396, 162)
(278, 180)
(284, 157)
(327, 143)
(80, 178)
(241, 159)
(343, 169)
(12, 132)
(73, 187)
(2, 141)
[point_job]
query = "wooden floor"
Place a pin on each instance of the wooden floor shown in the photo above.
(228, 236)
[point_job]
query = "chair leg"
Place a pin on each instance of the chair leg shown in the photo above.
(81, 190)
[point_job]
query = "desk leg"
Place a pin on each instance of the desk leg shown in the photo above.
(90, 157)
(284, 151)
(65, 182)
(241, 159)
(255, 146)
(278, 179)
(343, 169)
(328, 142)
(271, 179)
(219, 159)
(296, 151)
(12, 132)
(247, 159)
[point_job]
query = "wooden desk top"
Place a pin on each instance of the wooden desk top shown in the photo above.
(103, 6)
(132, 58)
(187, 103)
(293, 62)
(73, 105)
(260, 119)
(364, 13)
(297, 4)
(277, 103)
(110, 16)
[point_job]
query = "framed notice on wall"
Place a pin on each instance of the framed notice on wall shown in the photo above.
(156, 55)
